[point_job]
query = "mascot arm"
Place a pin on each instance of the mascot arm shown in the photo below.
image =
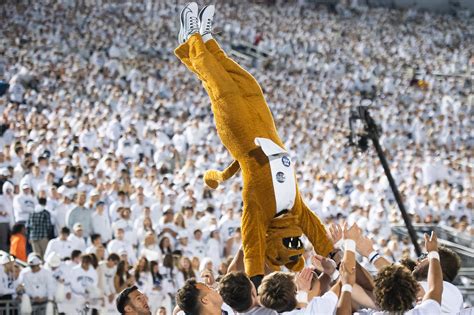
(213, 178)
(315, 231)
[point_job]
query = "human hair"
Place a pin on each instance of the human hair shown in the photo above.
(187, 298)
(409, 263)
(65, 230)
(450, 263)
(395, 289)
(94, 237)
(122, 272)
(236, 291)
(278, 292)
(139, 268)
(189, 272)
(17, 228)
(123, 299)
(114, 257)
(75, 253)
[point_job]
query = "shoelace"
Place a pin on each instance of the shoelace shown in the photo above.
(208, 27)
(193, 23)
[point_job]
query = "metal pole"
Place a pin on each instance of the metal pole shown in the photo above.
(396, 193)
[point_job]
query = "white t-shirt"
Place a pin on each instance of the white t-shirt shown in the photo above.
(451, 300)
(322, 305)
(428, 307)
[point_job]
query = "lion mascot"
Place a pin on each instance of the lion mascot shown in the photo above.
(274, 214)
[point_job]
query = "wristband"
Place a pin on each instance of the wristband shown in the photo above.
(350, 245)
(346, 288)
(335, 275)
(372, 254)
(433, 255)
(374, 258)
(302, 297)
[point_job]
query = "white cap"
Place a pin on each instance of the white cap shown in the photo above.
(95, 192)
(182, 234)
(4, 171)
(5, 259)
(77, 226)
(53, 260)
(25, 186)
(33, 259)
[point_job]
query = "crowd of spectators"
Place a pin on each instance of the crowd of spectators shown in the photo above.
(105, 137)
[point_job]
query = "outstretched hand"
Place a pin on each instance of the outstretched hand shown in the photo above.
(364, 246)
(303, 279)
(431, 242)
(348, 275)
(335, 232)
(351, 233)
(329, 265)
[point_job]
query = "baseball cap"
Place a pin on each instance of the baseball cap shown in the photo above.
(25, 186)
(5, 259)
(33, 259)
(53, 260)
(182, 234)
(122, 298)
(77, 226)
(4, 171)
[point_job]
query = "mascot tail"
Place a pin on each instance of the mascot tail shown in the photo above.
(213, 178)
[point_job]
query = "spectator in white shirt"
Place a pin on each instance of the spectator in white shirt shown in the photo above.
(24, 204)
(77, 238)
(36, 281)
(118, 244)
(61, 245)
(101, 223)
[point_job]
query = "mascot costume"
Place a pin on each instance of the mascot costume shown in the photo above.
(274, 214)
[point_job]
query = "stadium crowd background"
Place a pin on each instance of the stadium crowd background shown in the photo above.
(103, 128)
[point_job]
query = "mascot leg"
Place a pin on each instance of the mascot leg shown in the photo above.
(217, 82)
(314, 229)
(248, 86)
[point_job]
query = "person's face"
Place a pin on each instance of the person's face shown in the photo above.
(119, 234)
(138, 304)
(162, 311)
(81, 199)
(79, 233)
(209, 296)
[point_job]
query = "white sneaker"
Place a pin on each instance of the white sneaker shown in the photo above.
(206, 16)
(189, 21)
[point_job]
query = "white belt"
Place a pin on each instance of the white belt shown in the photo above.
(283, 174)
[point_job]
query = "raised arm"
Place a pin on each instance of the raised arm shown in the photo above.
(347, 269)
(365, 247)
(435, 274)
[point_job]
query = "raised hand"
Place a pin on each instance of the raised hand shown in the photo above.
(303, 279)
(329, 265)
(431, 242)
(351, 233)
(348, 275)
(335, 232)
(364, 246)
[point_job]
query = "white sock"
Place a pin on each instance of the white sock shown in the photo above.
(206, 37)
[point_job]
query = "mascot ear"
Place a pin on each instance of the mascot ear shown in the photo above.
(297, 265)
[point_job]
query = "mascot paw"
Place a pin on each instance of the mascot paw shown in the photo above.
(210, 178)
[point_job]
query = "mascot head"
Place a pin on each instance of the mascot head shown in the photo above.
(284, 246)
